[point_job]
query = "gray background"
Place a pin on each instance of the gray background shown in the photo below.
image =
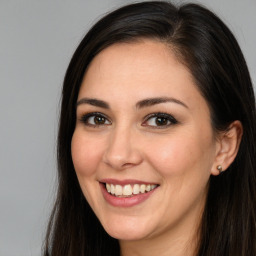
(37, 39)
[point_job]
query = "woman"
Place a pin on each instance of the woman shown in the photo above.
(156, 146)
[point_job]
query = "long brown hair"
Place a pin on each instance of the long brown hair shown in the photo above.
(206, 46)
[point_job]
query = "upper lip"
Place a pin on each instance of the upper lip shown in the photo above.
(126, 181)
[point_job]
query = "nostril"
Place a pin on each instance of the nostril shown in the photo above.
(127, 165)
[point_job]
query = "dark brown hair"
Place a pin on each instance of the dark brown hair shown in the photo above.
(206, 46)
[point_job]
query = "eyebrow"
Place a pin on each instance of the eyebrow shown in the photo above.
(154, 101)
(93, 102)
(141, 104)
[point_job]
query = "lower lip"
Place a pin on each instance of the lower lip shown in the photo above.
(125, 201)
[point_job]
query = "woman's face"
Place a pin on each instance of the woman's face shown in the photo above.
(143, 146)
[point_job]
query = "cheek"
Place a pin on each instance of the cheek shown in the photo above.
(181, 155)
(86, 154)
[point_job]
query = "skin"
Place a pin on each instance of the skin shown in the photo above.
(179, 157)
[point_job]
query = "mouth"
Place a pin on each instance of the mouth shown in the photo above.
(128, 190)
(126, 193)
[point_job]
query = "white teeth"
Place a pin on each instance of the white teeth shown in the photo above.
(148, 187)
(152, 187)
(108, 188)
(128, 190)
(142, 188)
(112, 189)
(136, 189)
(118, 190)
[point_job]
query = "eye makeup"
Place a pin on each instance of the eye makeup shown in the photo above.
(94, 119)
(159, 120)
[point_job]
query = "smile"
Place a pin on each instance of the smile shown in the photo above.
(129, 189)
(127, 193)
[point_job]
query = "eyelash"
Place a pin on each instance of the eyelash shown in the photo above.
(85, 118)
(167, 118)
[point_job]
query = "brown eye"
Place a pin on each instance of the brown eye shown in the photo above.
(99, 120)
(159, 120)
(95, 119)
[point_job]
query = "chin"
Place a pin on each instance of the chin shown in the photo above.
(131, 230)
(125, 234)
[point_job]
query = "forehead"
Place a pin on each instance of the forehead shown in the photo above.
(148, 56)
(137, 70)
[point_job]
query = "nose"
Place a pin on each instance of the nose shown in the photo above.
(122, 151)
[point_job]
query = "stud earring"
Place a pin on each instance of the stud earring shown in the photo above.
(219, 168)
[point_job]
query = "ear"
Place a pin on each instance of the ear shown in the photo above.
(228, 143)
